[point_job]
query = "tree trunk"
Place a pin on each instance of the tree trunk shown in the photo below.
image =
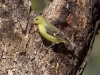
(24, 52)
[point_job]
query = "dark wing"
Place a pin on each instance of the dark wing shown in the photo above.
(59, 35)
(56, 33)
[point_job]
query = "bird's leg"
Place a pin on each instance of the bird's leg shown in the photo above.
(50, 46)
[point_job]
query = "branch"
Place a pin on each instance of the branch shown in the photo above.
(23, 52)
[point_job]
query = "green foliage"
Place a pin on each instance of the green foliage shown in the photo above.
(93, 67)
(38, 5)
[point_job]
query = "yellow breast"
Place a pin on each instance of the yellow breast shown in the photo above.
(46, 35)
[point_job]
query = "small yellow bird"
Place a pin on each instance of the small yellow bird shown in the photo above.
(50, 32)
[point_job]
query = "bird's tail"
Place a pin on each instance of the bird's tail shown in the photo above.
(73, 44)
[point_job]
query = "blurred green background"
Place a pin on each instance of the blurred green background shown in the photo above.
(93, 66)
(38, 5)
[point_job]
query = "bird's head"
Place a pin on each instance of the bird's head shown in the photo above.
(39, 20)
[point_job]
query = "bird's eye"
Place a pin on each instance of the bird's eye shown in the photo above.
(36, 19)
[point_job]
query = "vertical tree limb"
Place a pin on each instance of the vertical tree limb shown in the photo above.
(22, 51)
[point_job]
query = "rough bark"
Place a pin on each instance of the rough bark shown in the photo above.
(23, 52)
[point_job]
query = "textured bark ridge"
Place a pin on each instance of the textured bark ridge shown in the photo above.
(23, 52)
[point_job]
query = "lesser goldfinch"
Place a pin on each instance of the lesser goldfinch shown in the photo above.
(50, 32)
